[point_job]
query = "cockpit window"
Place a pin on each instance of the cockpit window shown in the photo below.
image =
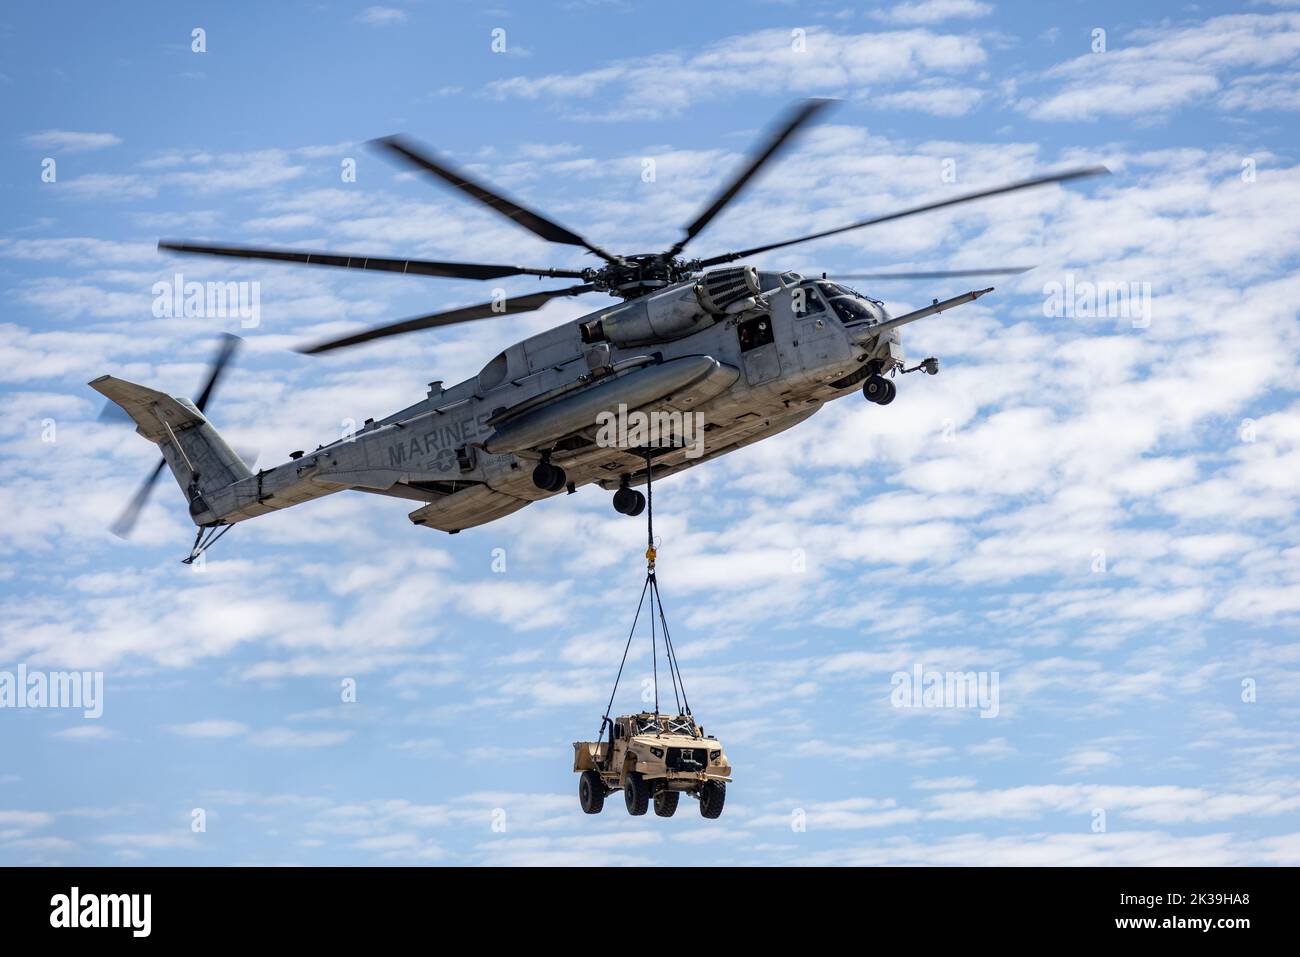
(850, 310)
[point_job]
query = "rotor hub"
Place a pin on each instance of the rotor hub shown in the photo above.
(632, 276)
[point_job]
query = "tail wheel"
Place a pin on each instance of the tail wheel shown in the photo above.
(666, 803)
(636, 793)
(591, 792)
(713, 795)
(890, 391)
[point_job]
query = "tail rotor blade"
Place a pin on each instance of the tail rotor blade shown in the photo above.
(225, 352)
(126, 521)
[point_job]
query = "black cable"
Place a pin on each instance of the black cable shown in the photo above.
(668, 648)
(672, 652)
(609, 707)
(649, 503)
(654, 645)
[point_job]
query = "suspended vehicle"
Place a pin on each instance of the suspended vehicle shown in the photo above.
(653, 759)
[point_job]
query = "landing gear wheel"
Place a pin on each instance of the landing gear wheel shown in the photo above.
(628, 501)
(712, 796)
(666, 803)
(591, 792)
(636, 793)
(549, 478)
(879, 390)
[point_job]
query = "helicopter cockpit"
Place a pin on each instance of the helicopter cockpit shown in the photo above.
(849, 306)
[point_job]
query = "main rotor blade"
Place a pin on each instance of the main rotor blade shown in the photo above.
(484, 310)
(938, 204)
(936, 274)
(780, 137)
(126, 521)
(229, 343)
(533, 222)
(415, 267)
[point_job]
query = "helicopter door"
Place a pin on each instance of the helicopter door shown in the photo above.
(816, 330)
(758, 349)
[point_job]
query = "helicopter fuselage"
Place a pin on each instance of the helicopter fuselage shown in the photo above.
(467, 453)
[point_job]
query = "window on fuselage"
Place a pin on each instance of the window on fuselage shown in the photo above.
(809, 299)
(754, 333)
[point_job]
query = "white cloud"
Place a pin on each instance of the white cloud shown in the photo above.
(84, 732)
(933, 11)
(760, 62)
(68, 141)
(939, 100)
(212, 728)
(1154, 72)
(381, 16)
(295, 738)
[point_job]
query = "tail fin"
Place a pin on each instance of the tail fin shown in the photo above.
(198, 456)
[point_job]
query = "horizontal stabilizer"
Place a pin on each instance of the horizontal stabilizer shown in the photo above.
(148, 408)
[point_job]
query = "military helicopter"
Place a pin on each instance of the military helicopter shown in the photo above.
(744, 353)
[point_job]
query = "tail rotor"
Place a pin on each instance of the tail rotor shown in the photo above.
(125, 523)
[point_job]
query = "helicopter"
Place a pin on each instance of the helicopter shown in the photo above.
(742, 353)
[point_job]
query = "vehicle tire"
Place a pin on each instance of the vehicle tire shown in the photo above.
(666, 803)
(712, 796)
(890, 391)
(875, 388)
(636, 793)
(591, 792)
(639, 505)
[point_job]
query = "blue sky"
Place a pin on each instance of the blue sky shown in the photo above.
(960, 528)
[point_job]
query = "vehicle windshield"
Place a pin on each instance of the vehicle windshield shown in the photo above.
(663, 724)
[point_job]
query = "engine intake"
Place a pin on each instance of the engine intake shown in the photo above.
(674, 313)
(720, 288)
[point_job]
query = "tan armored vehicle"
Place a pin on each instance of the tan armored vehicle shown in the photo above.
(653, 757)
